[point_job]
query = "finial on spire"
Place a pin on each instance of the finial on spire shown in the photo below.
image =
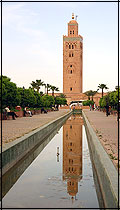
(76, 17)
(72, 15)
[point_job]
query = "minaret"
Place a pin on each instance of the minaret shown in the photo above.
(72, 61)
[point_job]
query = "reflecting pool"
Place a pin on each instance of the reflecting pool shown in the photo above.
(56, 174)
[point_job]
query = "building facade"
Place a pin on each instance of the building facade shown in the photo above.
(73, 62)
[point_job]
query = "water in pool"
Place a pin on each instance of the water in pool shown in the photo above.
(59, 174)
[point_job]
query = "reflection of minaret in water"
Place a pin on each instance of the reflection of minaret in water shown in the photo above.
(72, 153)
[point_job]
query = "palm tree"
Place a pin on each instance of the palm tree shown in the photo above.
(38, 84)
(57, 89)
(45, 87)
(48, 86)
(93, 93)
(53, 88)
(88, 93)
(102, 86)
(33, 84)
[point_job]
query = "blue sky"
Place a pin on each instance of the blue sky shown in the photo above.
(33, 42)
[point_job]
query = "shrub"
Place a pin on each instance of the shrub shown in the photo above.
(87, 103)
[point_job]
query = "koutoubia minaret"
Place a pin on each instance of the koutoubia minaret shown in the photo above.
(73, 63)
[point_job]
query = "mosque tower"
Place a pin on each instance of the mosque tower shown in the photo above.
(73, 62)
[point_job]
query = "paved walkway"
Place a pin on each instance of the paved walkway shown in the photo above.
(12, 129)
(106, 129)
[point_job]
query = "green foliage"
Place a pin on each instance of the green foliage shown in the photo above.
(90, 93)
(10, 94)
(38, 101)
(36, 85)
(60, 101)
(64, 101)
(62, 95)
(102, 87)
(111, 99)
(48, 101)
(27, 97)
(87, 103)
(100, 102)
(87, 93)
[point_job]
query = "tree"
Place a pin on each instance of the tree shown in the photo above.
(48, 86)
(106, 101)
(33, 84)
(102, 86)
(53, 88)
(10, 94)
(45, 87)
(87, 103)
(93, 93)
(27, 97)
(48, 101)
(38, 99)
(39, 83)
(113, 97)
(60, 101)
(57, 89)
(62, 95)
(110, 99)
(87, 93)
(90, 93)
(36, 85)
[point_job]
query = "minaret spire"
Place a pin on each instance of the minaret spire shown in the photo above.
(72, 15)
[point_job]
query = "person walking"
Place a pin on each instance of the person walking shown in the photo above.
(107, 110)
(10, 113)
(94, 106)
(90, 107)
(73, 107)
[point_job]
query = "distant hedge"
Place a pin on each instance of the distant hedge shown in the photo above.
(87, 103)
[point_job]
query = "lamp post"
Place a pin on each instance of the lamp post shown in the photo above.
(23, 96)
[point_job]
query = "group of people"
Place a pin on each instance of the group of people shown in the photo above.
(43, 110)
(93, 107)
(14, 115)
